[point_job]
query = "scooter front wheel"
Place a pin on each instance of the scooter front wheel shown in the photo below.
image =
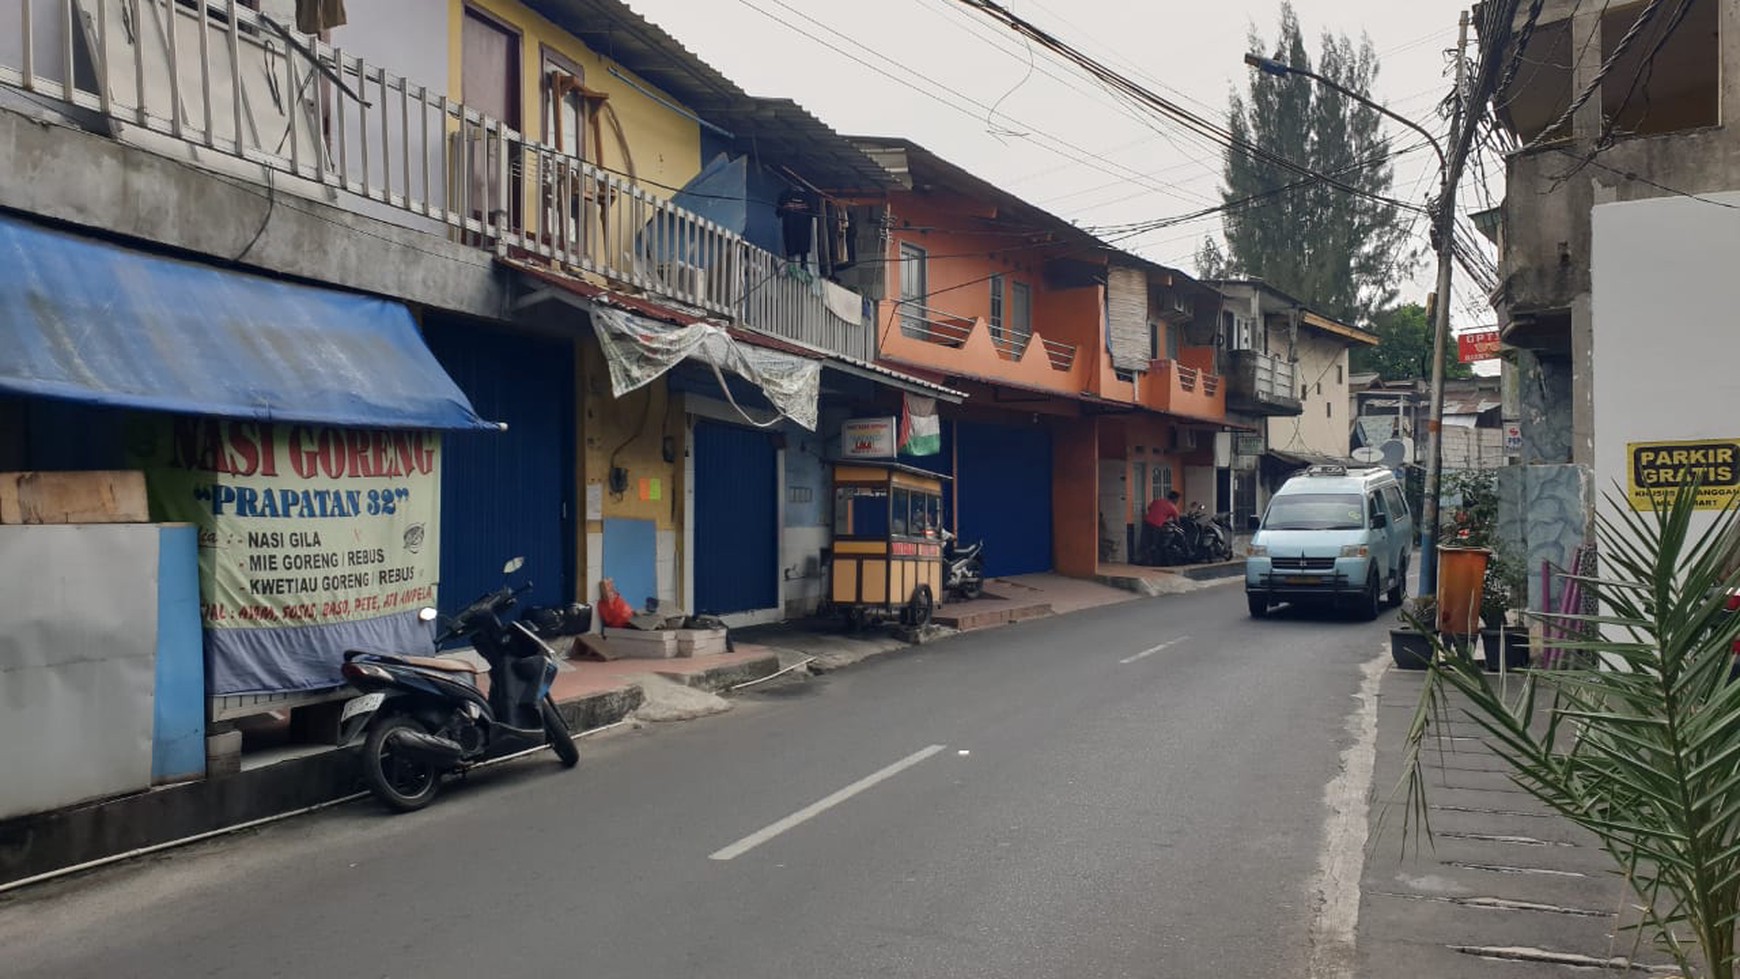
(403, 782)
(561, 742)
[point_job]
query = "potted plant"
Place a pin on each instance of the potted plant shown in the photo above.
(1411, 644)
(1502, 590)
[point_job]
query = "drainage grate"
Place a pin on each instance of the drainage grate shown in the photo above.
(1498, 868)
(1519, 954)
(1500, 838)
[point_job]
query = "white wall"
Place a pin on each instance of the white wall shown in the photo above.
(1324, 426)
(78, 647)
(1664, 345)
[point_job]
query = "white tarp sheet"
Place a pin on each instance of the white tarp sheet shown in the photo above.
(639, 349)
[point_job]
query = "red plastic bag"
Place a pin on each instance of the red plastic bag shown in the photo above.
(613, 609)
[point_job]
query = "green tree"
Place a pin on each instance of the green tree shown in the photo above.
(1404, 347)
(1338, 251)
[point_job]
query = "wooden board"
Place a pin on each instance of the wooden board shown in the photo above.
(73, 497)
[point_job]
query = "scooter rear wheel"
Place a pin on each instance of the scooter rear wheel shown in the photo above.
(561, 742)
(402, 782)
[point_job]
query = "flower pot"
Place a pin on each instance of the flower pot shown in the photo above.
(1512, 644)
(1461, 576)
(1410, 650)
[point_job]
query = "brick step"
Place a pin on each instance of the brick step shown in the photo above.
(968, 616)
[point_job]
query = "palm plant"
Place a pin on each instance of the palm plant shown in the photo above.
(1638, 742)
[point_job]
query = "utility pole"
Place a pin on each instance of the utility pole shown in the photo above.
(1446, 233)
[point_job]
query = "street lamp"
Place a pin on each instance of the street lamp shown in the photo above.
(1444, 232)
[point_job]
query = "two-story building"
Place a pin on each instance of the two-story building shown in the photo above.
(1091, 373)
(264, 259)
(1289, 366)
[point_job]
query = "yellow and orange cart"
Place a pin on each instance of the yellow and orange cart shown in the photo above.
(887, 558)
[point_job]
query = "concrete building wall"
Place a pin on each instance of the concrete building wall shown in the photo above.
(1324, 425)
(658, 144)
(59, 172)
(1663, 357)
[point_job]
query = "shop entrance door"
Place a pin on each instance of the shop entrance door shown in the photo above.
(736, 557)
(1005, 494)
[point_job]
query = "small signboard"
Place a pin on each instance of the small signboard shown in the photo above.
(1656, 470)
(1249, 445)
(1478, 345)
(869, 438)
(1512, 437)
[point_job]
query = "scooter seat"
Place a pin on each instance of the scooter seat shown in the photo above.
(443, 663)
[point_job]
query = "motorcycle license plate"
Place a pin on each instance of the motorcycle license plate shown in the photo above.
(361, 705)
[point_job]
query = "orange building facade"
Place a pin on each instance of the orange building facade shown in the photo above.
(1093, 381)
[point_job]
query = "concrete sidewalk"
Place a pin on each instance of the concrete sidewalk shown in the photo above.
(1506, 888)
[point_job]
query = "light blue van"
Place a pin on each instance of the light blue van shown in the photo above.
(1332, 535)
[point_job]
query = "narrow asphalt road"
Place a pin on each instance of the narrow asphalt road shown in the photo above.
(1136, 791)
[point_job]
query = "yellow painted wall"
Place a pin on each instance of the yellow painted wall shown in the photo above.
(629, 432)
(665, 146)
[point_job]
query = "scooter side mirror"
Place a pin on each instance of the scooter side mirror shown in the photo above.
(513, 565)
(426, 615)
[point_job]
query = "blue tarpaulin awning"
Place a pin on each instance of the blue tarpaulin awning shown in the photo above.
(88, 321)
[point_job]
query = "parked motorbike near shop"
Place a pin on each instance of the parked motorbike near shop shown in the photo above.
(963, 568)
(422, 718)
(1207, 539)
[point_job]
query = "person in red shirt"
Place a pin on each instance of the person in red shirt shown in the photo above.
(1160, 512)
(1163, 511)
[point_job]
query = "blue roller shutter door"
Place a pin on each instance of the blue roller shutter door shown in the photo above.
(507, 494)
(1004, 473)
(736, 519)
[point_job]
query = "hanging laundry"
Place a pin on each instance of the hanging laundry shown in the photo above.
(797, 213)
(314, 16)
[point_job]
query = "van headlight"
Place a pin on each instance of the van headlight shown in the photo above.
(1355, 550)
(1257, 550)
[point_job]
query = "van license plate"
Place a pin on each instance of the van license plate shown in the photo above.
(1301, 580)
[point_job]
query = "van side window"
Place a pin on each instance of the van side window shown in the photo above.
(1398, 505)
(1374, 507)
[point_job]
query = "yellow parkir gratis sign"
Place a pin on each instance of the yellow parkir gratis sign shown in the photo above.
(1658, 469)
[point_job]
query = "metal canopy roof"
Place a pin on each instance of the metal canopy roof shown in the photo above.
(776, 130)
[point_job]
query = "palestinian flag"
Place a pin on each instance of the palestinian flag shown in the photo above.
(920, 429)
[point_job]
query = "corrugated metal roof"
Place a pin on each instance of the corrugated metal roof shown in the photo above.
(775, 130)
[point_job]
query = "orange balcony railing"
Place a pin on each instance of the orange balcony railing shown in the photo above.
(919, 336)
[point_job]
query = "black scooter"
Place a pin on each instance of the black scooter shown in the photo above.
(423, 717)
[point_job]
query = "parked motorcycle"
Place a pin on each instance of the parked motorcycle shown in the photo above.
(1165, 545)
(423, 717)
(1207, 539)
(963, 568)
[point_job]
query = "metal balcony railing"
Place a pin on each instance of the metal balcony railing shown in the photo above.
(921, 322)
(238, 85)
(1275, 378)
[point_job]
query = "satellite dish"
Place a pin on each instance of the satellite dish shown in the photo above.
(1395, 452)
(1366, 453)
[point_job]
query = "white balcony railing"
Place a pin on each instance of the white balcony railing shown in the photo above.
(234, 84)
(1276, 378)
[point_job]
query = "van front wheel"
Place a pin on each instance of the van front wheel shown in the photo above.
(1401, 589)
(1370, 603)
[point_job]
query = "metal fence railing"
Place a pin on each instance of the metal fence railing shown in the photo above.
(235, 83)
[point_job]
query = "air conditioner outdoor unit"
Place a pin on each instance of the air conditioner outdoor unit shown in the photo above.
(683, 279)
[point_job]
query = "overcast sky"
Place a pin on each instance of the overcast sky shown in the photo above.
(936, 68)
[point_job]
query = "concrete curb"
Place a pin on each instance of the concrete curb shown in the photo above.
(42, 843)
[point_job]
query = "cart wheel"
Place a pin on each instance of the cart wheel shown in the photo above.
(857, 618)
(920, 607)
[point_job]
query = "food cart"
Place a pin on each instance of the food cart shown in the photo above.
(887, 559)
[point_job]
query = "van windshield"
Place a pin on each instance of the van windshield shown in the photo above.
(1315, 511)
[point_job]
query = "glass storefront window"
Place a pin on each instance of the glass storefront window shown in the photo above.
(861, 511)
(902, 513)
